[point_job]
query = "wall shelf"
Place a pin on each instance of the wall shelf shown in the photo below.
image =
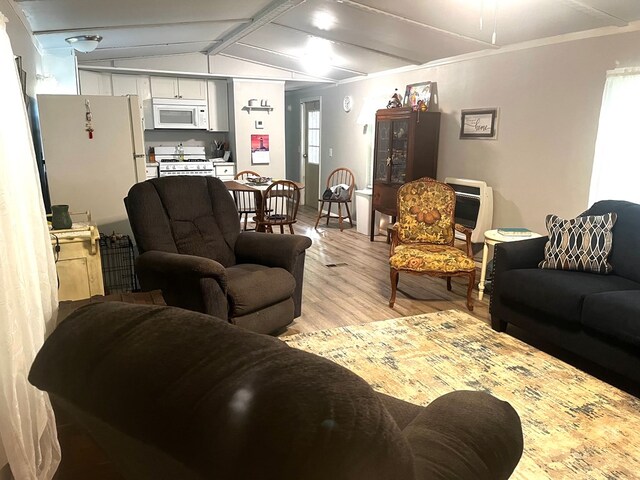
(258, 108)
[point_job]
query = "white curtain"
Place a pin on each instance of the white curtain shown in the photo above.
(28, 287)
(616, 163)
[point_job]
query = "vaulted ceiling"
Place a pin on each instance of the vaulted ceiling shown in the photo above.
(329, 39)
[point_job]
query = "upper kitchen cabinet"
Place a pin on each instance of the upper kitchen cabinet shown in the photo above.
(94, 83)
(184, 88)
(406, 149)
(135, 85)
(218, 105)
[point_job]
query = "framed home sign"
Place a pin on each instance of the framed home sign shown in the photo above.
(478, 123)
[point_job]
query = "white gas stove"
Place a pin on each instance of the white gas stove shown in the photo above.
(189, 161)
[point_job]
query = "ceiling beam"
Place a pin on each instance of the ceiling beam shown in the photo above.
(263, 17)
(377, 11)
(412, 61)
(145, 25)
(584, 7)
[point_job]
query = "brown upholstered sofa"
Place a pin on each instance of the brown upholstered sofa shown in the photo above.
(188, 235)
(174, 394)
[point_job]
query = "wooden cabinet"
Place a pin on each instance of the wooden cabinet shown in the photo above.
(78, 262)
(174, 87)
(135, 85)
(94, 83)
(406, 148)
(218, 103)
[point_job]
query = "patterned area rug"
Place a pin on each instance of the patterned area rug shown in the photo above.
(575, 426)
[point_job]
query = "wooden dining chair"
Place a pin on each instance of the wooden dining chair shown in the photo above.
(245, 201)
(339, 177)
(280, 202)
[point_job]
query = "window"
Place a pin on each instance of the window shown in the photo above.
(616, 162)
(313, 136)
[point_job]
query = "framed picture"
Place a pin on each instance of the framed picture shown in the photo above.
(416, 95)
(23, 76)
(478, 123)
(259, 149)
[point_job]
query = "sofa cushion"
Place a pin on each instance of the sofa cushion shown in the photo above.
(625, 254)
(615, 314)
(253, 287)
(581, 244)
(558, 293)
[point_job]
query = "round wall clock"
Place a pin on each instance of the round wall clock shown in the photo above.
(347, 103)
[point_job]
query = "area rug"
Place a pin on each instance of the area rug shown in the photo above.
(575, 426)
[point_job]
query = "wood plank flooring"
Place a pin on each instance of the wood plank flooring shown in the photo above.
(356, 290)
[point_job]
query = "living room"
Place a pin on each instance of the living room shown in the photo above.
(548, 96)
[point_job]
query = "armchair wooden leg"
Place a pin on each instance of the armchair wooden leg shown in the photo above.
(328, 213)
(319, 214)
(281, 228)
(449, 283)
(291, 229)
(395, 276)
(472, 279)
(340, 216)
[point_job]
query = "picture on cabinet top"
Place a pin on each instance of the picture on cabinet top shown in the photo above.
(418, 96)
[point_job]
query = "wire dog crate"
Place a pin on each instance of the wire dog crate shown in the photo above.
(118, 257)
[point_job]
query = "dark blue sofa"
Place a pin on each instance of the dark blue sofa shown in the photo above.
(594, 316)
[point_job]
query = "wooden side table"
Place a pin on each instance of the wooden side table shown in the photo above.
(78, 261)
(492, 237)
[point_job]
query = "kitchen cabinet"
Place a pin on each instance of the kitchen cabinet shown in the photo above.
(224, 170)
(94, 83)
(405, 149)
(135, 85)
(174, 87)
(218, 103)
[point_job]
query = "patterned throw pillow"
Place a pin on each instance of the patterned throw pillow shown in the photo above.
(582, 243)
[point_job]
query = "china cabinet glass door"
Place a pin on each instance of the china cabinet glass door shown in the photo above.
(383, 145)
(399, 142)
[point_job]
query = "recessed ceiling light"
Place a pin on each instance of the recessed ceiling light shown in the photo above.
(84, 43)
(317, 56)
(324, 20)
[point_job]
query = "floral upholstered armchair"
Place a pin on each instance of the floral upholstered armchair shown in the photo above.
(423, 238)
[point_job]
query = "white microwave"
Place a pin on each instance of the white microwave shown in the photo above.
(178, 113)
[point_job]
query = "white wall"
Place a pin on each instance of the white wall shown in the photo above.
(549, 103)
(242, 124)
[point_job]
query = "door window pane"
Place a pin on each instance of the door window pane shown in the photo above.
(313, 137)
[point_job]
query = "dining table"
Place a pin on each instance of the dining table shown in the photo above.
(257, 189)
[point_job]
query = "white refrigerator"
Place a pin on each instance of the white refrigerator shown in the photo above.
(95, 173)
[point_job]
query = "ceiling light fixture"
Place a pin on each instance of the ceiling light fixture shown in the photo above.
(317, 56)
(324, 20)
(84, 43)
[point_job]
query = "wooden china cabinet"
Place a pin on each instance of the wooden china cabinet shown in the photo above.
(406, 148)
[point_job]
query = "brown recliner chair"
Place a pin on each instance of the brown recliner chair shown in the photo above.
(171, 394)
(188, 235)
